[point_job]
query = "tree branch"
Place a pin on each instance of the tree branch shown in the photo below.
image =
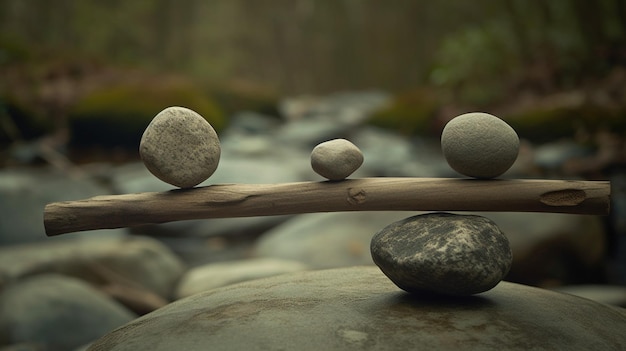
(367, 194)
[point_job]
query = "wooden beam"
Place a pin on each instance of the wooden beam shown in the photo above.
(366, 194)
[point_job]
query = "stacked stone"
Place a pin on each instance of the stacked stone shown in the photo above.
(336, 159)
(444, 253)
(180, 147)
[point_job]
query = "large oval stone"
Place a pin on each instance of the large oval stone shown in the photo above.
(180, 147)
(479, 145)
(443, 253)
(358, 308)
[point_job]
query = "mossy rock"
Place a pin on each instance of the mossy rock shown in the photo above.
(117, 115)
(543, 124)
(409, 113)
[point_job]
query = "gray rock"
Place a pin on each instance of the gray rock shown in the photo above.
(216, 275)
(59, 312)
(607, 294)
(180, 147)
(326, 240)
(25, 193)
(443, 253)
(552, 248)
(336, 159)
(479, 145)
(143, 261)
(358, 308)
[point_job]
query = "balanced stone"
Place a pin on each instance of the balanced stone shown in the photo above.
(180, 147)
(443, 253)
(336, 159)
(479, 145)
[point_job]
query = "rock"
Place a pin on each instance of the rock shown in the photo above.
(216, 275)
(607, 294)
(336, 159)
(552, 249)
(25, 193)
(479, 145)
(443, 253)
(358, 308)
(59, 312)
(135, 261)
(326, 240)
(180, 147)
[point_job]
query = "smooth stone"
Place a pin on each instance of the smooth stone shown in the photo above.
(142, 261)
(443, 253)
(479, 145)
(336, 159)
(215, 275)
(25, 192)
(57, 311)
(326, 240)
(180, 147)
(358, 308)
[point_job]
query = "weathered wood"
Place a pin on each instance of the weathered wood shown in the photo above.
(367, 194)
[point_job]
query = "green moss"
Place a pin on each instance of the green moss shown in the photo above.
(545, 124)
(410, 113)
(117, 115)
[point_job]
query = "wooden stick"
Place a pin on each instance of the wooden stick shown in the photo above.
(367, 194)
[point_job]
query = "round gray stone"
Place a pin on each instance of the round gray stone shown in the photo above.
(358, 308)
(479, 145)
(180, 147)
(443, 253)
(336, 159)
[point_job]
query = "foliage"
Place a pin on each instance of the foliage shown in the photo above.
(118, 114)
(410, 113)
(543, 124)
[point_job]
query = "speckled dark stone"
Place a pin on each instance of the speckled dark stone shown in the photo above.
(443, 253)
(180, 147)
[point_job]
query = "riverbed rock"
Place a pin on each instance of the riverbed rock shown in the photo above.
(358, 308)
(479, 145)
(443, 253)
(139, 262)
(57, 311)
(336, 159)
(180, 147)
(326, 240)
(216, 275)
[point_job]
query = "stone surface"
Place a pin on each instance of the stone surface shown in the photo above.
(358, 308)
(479, 145)
(443, 253)
(326, 240)
(220, 274)
(336, 159)
(25, 192)
(56, 311)
(180, 147)
(140, 261)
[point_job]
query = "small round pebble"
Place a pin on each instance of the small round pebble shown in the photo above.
(180, 147)
(336, 159)
(443, 253)
(479, 145)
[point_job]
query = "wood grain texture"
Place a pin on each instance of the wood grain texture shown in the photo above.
(366, 194)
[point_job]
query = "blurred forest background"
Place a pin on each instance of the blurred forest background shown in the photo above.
(102, 69)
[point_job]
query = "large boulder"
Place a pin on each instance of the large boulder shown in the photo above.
(358, 308)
